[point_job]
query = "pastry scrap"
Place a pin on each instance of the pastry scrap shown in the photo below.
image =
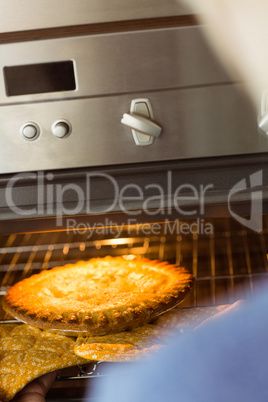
(27, 353)
(99, 296)
(139, 343)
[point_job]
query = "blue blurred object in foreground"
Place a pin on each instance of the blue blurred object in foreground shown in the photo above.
(224, 360)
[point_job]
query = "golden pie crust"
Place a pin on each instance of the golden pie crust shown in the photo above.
(99, 296)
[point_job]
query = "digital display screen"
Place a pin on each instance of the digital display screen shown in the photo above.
(39, 78)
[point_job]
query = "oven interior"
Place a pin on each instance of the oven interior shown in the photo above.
(228, 264)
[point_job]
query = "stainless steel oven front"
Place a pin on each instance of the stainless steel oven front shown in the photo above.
(146, 93)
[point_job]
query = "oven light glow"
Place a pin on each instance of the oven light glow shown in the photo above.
(82, 246)
(116, 242)
(66, 249)
(129, 257)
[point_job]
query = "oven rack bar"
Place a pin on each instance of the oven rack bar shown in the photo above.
(113, 242)
(83, 372)
(66, 247)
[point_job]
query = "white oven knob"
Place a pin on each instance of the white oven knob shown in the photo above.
(61, 128)
(140, 120)
(141, 124)
(30, 131)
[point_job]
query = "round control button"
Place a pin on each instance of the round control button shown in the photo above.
(30, 131)
(61, 128)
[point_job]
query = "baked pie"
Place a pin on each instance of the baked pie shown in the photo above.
(99, 296)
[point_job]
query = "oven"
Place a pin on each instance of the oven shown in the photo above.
(146, 147)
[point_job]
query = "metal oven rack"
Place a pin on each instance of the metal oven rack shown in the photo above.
(228, 264)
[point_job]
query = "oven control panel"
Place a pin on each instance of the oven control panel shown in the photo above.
(111, 99)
